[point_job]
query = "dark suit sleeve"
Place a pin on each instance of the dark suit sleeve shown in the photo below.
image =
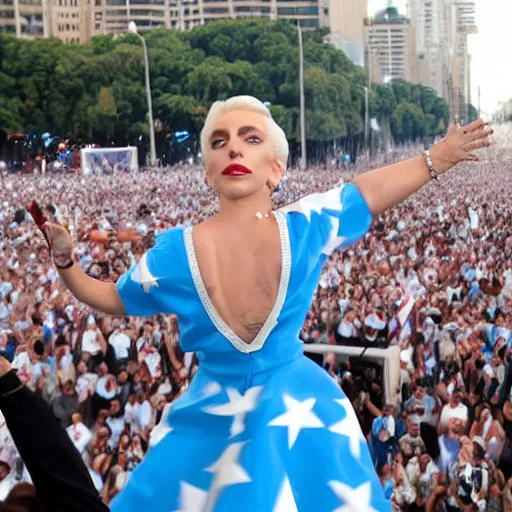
(59, 474)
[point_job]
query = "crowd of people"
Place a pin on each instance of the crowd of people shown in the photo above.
(433, 276)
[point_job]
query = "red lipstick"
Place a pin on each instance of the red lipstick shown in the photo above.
(236, 170)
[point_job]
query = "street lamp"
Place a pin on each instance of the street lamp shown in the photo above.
(366, 114)
(132, 27)
(302, 102)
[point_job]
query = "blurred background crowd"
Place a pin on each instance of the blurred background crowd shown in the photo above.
(432, 277)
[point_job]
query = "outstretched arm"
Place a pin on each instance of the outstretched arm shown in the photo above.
(100, 295)
(385, 187)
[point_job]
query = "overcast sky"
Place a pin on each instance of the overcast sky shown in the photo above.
(490, 49)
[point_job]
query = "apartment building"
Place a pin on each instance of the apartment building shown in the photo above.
(25, 18)
(390, 47)
(442, 28)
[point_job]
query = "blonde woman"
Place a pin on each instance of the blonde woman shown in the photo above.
(261, 427)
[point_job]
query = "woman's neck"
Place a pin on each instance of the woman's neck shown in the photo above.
(244, 211)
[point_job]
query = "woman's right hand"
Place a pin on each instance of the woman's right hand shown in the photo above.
(61, 244)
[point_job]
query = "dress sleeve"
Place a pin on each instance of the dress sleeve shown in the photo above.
(140, 288)
(333, 219)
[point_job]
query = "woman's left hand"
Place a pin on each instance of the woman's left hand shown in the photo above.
(459, 145)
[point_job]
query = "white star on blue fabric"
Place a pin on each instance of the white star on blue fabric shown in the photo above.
(143, 276)
(349, 427)
(286, 501)
(298, 415)
(226, 471)
(354, 499)
(328, 203)
(238, 406)
(192, 499)
(211, 389)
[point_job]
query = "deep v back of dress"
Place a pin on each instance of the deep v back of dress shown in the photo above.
(240, 274)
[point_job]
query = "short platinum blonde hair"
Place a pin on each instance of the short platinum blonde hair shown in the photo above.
(251, 104)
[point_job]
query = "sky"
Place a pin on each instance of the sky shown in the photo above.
(490, 49)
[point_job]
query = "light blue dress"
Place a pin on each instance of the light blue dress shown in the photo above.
(261, 428)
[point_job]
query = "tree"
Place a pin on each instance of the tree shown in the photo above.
(103, 115)
(408, 122)
(96, 92)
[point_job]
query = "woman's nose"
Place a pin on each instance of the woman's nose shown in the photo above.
(233, 153)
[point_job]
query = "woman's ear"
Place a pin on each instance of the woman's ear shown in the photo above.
(277, 172)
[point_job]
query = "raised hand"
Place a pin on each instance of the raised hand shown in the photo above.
(460, 143)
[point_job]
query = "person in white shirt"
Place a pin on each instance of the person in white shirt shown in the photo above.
(92, 337)
(121, 343)
(116, 422)
(145, 411)
(131, 413)
(79, 434)
(453, 410)
(138, 413)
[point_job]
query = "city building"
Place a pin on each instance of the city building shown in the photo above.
(76, 21)
(70, 20)
(442, 28)
(390, 46)
(25, 18)
(113, 16)
(345, 20)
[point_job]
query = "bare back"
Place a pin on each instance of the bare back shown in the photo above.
(241, 272)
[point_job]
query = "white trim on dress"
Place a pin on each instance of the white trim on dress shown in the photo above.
(271, 321)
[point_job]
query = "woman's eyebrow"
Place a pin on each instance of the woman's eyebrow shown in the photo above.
(243, 130)
(219, 133)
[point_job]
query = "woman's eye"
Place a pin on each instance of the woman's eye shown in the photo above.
(217, 143)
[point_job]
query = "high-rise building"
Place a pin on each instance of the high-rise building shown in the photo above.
(428, 21)
(25, 18)
(442, 28)
(461, 22)
(70, 20)
(345, 19)
(113, 16)
(390, 42)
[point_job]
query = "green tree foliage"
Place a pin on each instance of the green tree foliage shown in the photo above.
(96, 92)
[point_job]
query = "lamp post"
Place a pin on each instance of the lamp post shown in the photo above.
(302, 102)
(132, 27)
(366, 114)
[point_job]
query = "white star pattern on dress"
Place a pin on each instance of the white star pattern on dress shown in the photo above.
(227, 471)
(143, 276)
(298, 415)
(286, 500)
(212, 389)
(327, 203)
(349, 427)
(355, 500)
(330, 200)
(163, 427)
(192, 499)
(238, 406)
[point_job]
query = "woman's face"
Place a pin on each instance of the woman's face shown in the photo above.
(241, 137)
